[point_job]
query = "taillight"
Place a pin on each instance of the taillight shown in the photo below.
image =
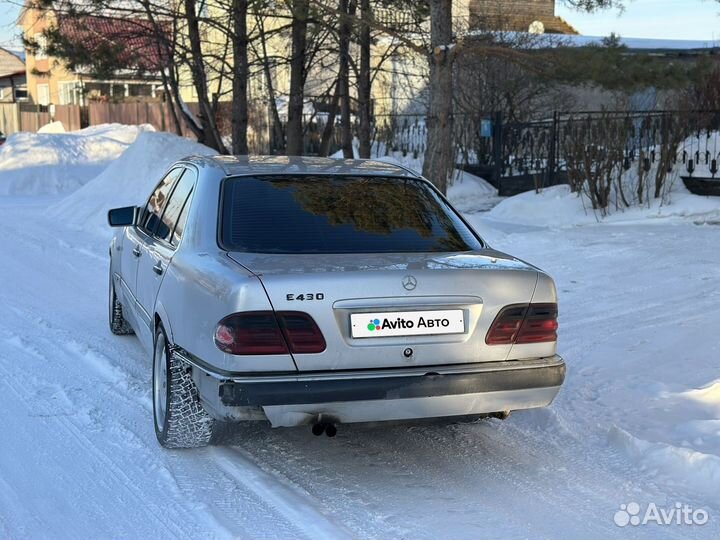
(266, 332)
(506, 326)
(253, 332)
(540, 324)
(523, 324)
(302, 333)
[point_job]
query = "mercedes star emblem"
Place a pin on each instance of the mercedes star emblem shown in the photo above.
(409, 282)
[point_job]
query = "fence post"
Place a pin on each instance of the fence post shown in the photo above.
(18, 117)
(497, 149)
(551, 164)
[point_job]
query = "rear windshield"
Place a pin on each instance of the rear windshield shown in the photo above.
(344, 214)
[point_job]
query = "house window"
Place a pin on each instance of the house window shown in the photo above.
(70, 93)
(43, 93)
(41, 52)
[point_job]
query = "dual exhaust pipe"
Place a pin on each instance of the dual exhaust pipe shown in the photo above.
(327, 428)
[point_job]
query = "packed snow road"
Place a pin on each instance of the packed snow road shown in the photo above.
(637, 420)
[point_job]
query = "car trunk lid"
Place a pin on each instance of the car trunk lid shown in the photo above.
(395, 310)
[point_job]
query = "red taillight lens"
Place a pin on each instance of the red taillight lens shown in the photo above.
(265, 332)
(522, 324)
(506, 326)
(302, 333)
(254, 332)
(540, 324)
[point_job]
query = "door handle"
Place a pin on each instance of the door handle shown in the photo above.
(158, 269)
(136, 251)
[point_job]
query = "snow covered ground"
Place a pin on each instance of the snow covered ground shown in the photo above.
(637, 421)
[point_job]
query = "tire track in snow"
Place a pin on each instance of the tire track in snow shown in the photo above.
(296, 505)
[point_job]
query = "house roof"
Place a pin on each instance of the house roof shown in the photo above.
(10, 64)
(649, 44)
(135, 39)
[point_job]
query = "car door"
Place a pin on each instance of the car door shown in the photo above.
(132, 242)
(159, 244)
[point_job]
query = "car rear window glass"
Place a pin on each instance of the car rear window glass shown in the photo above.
(339, 214)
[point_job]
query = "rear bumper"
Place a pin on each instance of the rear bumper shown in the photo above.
(373, 395)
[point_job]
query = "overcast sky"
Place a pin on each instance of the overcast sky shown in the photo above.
(669, 19)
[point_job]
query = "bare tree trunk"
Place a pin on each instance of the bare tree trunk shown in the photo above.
(171, 104)
(240, 78)
(346, 8)
(439, 152)
(210, 133)
(364, 84)
(300, 9)
(278, 136)
(327, 133)
(165, 49)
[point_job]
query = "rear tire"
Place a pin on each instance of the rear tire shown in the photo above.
(118, 325)
(179, 417)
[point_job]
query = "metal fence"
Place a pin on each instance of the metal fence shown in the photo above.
(518, 156)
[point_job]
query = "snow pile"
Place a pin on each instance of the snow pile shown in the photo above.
(126, 181)
(51, 163)
(52, 127)
(557, 206)
(684, 466)
(469, 193)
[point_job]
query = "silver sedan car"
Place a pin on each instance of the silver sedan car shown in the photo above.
(313, 291)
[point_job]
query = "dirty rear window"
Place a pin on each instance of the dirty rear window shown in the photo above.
(338, 214)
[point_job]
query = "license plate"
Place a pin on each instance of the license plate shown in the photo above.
(407, 323)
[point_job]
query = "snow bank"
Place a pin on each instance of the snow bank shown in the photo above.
(557, 206)
(126, 181)
(51, 163)
(469, 193)
(709, 395)
(685, 466)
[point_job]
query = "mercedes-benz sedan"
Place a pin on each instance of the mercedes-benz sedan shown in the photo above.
(319, 291)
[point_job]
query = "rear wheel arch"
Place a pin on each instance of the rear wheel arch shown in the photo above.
(161, 318)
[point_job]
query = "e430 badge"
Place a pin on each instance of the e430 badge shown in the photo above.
(305, 296)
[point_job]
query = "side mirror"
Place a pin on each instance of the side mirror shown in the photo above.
(122, 217)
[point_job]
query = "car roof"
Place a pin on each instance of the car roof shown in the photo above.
(252, 165)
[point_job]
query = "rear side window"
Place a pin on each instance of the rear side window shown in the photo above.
(175, 205)
(326, 214)
(180, 225)
(156, 203)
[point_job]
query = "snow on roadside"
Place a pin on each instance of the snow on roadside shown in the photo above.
(683, 466)
(54, 163)
(470, 194)
(557, 206)
(126, 181)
